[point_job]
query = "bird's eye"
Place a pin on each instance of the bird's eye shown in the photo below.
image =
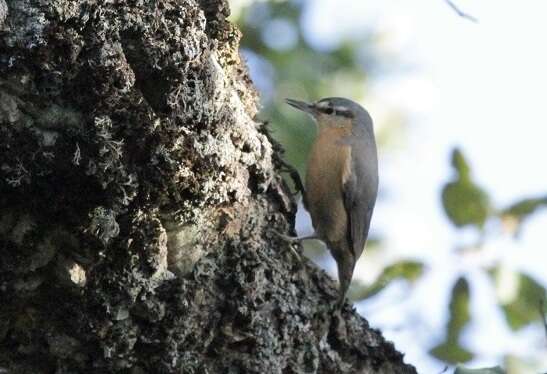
(328, 110)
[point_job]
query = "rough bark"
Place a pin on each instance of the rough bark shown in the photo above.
(137, 197)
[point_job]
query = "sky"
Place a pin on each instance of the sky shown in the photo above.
(480, 86)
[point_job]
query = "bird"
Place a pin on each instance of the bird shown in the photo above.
(341, 183)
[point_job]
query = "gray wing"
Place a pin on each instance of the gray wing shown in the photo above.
(360, 192)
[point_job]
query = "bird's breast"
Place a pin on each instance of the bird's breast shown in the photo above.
(329, 167)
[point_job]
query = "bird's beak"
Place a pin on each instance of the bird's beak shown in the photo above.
(301, 105)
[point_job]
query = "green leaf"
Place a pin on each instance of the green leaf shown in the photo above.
(524, 307)
(464, 202)
(521, 210)
(405, 270)
(451, 352)
(459, 315)
(458, 309)
(492, 370)
(460, 164)
(525, 207)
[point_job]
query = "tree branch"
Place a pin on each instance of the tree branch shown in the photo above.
(460, 13)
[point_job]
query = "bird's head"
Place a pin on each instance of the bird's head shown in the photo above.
(334, 112)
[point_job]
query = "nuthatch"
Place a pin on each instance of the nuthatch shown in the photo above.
(341, 180)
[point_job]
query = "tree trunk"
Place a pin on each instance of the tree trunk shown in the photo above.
(138, 195)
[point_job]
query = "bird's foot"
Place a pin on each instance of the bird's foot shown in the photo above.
(339, 324)
(294, 240)
(293, 173)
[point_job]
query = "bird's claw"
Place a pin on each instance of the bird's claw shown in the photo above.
(287, 238)
(292, 241)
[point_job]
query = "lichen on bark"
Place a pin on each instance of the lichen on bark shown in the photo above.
(138, 194)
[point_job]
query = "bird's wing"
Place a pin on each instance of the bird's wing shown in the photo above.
(360, 190)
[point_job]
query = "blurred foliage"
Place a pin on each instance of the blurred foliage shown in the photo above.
(519, 295)
(492, 370)
(465, 203)
(287, 62)
(404, 270)
(524, 304)
(524, 309)
(459, 316)
(514, 215)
